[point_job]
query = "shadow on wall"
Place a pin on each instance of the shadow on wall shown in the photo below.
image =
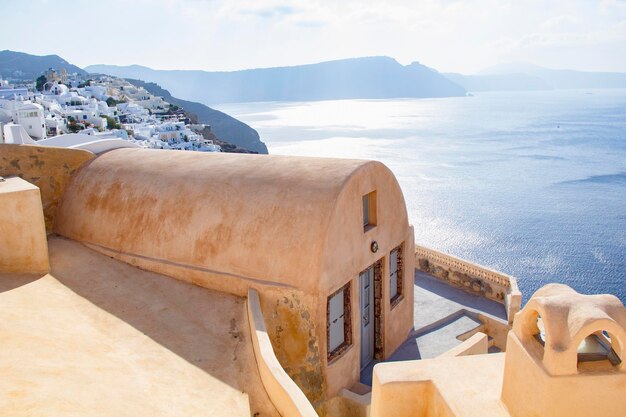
(206, 328)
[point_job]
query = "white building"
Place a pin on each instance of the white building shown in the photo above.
(55, 125)
(11, 93)
(31, 117)
(87, 117)
(55, 88)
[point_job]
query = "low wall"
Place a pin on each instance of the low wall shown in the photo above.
(286, 396)
(48, 168)
(471, 277)
(478, 344)
(23, 244)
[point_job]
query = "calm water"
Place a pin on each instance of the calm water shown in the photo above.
(532, 184)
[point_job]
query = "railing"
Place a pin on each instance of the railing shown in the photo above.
(471, 277)
(464, 266)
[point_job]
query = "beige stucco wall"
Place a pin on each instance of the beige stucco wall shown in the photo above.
(442, 387)
(547, 379)
(529, 391)
(289, 227)
(225, 213)
(23, 244)
(347, 253)
(48, 168)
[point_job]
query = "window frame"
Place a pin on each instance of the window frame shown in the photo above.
(347, 323)
(369, 210)
(395, 299)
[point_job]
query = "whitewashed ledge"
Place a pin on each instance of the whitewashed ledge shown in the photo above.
(471, 277)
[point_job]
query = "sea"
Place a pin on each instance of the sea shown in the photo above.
(532, 184)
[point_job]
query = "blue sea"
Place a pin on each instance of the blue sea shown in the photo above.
(532, 184)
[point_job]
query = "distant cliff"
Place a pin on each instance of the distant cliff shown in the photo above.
(373, 77)
(536, 78)
(225, 127)
(23, 66)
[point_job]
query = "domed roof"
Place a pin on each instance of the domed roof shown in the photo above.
(258, 217)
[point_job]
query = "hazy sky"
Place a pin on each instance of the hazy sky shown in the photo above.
(461, 36)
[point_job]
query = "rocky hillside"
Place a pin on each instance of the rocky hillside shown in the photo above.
(225, 127)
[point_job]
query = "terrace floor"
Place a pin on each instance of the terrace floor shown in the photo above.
(442, 313)
(99, 337)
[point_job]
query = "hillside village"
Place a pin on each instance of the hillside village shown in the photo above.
(96, 109)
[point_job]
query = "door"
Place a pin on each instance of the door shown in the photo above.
(367, 315)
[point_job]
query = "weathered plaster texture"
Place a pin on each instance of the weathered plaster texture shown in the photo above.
(48, 168)
(460, 279)
(281, 389)
(293, 333)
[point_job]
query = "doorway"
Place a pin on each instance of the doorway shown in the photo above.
(370, 285)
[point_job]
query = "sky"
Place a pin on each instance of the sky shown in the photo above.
(463, 36)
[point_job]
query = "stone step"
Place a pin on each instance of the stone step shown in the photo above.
(479, 328)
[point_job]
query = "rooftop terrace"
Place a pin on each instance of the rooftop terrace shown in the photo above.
(102, 336)
(444, 316)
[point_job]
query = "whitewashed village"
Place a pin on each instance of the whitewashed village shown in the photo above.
(96, 114)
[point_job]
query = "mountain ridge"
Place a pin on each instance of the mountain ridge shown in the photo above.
(353, 78)
(20, 65)
(526, 77)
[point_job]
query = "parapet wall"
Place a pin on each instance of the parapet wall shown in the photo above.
(48, 168)
(286, 396)
(23, 244)
(471, 277)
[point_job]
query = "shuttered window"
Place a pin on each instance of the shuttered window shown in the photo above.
(395, 276)
(339, 330)
(336, 317)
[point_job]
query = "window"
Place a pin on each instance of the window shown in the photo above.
(599, 348)
(339, 327)
(369, 210)
(395, 276)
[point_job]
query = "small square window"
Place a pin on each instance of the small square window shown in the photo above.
(339, 326)
(369, 210)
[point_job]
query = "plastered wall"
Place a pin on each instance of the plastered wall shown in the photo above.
(23, 244)
(48, 168)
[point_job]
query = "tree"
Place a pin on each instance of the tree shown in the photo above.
(111, 123)
(40, 83)
(73, 126)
